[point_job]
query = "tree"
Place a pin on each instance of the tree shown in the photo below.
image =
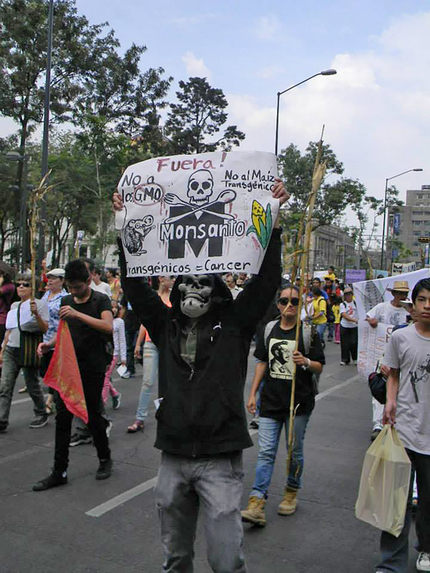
(9, 197)
(71, 205)
(199, 114)
(91, 82)
(333, 198)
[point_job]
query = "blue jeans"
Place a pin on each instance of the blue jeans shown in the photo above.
(269, 432)
(130, 340)
(321, 329)
(395, 550)
(150, 376)
(211, 486)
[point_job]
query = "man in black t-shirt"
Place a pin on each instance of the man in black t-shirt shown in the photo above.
(277, 355)
(89, 316)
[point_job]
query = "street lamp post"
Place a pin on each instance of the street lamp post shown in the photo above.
(45, 139)
(385, 209)
(330, 72)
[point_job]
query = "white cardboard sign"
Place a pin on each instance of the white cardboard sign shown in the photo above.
(197, 214)
(371, 346)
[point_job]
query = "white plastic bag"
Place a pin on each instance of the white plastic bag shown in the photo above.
(384, 483)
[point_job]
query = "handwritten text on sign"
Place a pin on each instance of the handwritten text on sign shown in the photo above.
(208, 213)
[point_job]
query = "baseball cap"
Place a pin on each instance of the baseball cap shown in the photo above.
(57, 273)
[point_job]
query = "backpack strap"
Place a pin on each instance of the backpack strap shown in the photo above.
(268, 330)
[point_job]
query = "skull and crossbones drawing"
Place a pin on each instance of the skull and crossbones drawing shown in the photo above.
(200, 189)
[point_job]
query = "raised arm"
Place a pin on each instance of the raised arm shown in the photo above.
(257, 294)
(148, 306)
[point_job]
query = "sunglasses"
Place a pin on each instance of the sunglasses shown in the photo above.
(285, 300)
(22, 284)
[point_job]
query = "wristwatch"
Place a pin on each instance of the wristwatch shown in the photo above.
(307, 365)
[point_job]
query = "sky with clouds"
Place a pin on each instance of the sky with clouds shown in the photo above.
(376, 110)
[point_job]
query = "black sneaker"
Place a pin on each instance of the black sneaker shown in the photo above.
(375, 434)
(116, 401)
(39, 422)
(105, 469)
(3, 428)
(79, 440)
(53, 480)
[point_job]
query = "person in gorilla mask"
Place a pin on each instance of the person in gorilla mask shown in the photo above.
(203, 343)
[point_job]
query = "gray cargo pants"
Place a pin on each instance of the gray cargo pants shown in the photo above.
(215, 483)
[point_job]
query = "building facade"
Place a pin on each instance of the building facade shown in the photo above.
(408, 223)
(331, 245)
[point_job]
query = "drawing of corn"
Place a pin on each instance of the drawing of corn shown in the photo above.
(262, 223)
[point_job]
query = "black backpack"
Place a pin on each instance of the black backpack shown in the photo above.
(330, 313)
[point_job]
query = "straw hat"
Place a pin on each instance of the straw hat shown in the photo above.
(400, 286)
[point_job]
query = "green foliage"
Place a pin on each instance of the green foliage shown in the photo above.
(9, 195)
(199, 114)
(333, 198)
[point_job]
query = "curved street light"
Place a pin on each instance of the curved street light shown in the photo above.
(329, 72)
(385, 208)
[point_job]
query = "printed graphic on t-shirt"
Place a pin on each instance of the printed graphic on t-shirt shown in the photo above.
(397, 318)
(421, 375)
(281, 358)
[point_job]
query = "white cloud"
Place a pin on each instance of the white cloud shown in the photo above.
(195, 67)
(376, 109)
(268, 27)
(196, 20)
(270, 72)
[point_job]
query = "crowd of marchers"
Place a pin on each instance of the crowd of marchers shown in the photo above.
(194, 335)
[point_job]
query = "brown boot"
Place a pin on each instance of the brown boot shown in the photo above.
(289, 503)
(254, 513)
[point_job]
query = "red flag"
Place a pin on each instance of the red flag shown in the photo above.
(63, 374)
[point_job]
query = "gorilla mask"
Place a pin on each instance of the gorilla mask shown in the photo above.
(196, 294)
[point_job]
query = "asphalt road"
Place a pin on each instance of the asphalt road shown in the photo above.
(112, 526)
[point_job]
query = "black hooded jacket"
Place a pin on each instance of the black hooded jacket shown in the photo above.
(203, 411)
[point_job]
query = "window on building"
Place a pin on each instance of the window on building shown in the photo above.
(417, 233)
(416, 223)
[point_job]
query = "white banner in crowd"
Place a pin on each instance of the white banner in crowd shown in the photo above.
(369, 293)
(207, 213)
(371, 346)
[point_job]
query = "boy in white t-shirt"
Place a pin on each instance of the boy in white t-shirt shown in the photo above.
(408, 407)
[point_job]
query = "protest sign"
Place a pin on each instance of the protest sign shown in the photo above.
(369, 293)
(371, 346)
(207, 213)
(402, 268)
(354, 275)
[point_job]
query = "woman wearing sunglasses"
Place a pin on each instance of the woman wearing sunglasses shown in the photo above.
(33, 317)
(277, 355)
